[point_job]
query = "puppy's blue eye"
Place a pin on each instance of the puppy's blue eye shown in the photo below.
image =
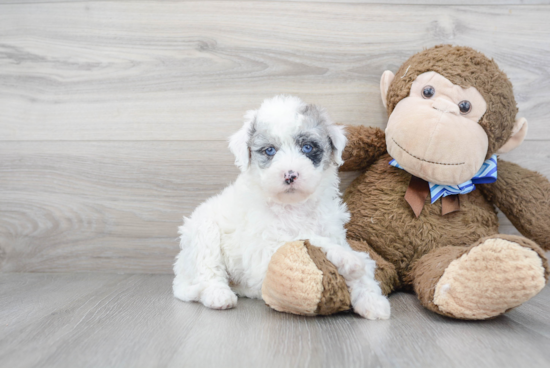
(307, 148)
(270, 151)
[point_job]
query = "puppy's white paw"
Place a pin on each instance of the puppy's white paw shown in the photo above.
(217, 297)
(373, 306)
(349, 264)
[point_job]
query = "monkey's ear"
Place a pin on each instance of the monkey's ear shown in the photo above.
(518, 135)
(238, 142)
(385, 81)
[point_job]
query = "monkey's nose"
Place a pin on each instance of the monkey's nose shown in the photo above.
(444, 105)
(290, 177)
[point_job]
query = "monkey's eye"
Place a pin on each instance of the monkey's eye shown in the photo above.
(307, 148)
(428, 92)
(465, 107)
(270, 151)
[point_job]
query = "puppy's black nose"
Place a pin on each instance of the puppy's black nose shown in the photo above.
(290, 177)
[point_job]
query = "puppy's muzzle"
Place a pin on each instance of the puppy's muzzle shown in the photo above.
(290, 177)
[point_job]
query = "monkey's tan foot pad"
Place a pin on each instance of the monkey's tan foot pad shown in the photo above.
(300, 280)
(490, 279)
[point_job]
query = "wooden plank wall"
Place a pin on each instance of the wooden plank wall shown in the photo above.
(114, 114)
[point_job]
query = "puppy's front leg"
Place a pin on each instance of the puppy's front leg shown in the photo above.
(350, 264)
(357, 268)
(200, 270)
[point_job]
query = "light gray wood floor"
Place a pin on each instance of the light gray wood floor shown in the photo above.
(110, 320)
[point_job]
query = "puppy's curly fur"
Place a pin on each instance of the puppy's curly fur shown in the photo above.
(289, 154)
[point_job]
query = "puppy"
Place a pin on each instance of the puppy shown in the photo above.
(288, 153)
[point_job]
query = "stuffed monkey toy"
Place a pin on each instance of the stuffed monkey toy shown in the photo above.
(424, 207)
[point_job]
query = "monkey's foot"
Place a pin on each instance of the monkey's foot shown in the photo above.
(301, 280)
(490, 279)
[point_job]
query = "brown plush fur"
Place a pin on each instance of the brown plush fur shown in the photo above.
(465, 67)
(524, 197)
(384, 225)
(369, 143)
(428, 272)
(382, 218)
(335, 296)
(420, 249)
(385, 272)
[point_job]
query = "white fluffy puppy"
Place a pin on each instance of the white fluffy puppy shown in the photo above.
(289, 154)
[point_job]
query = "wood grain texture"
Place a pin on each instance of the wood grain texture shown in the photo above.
(102, 205)
(188, 70)
(393, 2)
(116, 206)
(114, 113)
(107, 320)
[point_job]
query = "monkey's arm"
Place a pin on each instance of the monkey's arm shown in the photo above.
(365, 145)
(524, 197)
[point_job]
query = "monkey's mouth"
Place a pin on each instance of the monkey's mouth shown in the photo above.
(428, 161)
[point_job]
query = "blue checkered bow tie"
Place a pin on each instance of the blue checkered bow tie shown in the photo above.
(487, 174)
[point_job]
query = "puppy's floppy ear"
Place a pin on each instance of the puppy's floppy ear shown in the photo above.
(238, 142)
(338, 138)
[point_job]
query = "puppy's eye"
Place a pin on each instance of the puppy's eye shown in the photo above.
(465, 107)
(270, 151)
(428, 92)
(307, 148)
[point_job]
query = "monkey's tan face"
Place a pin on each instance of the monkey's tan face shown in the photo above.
(434, 132)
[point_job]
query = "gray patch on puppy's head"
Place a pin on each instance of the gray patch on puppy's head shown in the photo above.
(315, 132)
